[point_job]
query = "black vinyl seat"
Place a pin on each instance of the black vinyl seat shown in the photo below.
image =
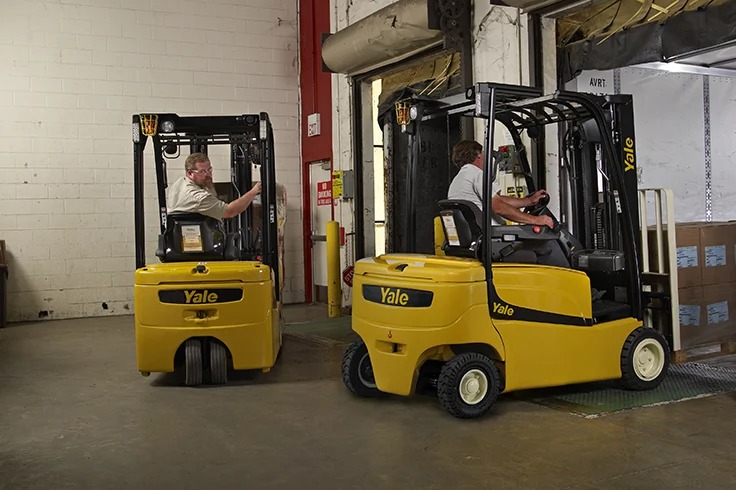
(194, 237)
(461, 223)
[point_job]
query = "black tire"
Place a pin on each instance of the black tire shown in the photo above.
(456, 385)
(357, 371)
(218, 363)
(193, 362)
(645, 359)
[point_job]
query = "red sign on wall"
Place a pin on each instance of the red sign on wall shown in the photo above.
(347, 275)
(324, 193)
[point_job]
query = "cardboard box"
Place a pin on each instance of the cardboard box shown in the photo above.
(687, 243)
(706, 253)
(707, 314)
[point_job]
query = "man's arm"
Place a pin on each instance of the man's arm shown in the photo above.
(505, 210)
(241, 204)
(523, 202)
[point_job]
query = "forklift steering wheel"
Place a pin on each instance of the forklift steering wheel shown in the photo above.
(539, 207)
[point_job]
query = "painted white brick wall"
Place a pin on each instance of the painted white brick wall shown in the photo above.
(73, 73)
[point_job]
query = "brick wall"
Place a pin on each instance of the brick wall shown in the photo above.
(73, 73)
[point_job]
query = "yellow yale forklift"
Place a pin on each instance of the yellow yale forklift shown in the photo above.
(473, 323)
(214, 301)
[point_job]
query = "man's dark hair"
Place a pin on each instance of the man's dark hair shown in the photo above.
(466, 152)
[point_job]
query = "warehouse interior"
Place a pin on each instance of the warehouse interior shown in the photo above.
(105, 381)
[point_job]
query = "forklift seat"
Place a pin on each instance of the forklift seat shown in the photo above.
(194, 237)
(461, 225)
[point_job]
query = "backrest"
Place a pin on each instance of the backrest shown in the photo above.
(461, 223)
(194, 237)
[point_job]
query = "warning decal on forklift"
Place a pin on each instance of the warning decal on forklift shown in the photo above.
(191, 238)
(452, 237)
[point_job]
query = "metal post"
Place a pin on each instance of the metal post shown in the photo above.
(138, 190)
(334, 294)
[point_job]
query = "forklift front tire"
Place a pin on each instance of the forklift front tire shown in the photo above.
(357, 371)
(645, 359)
(468, 385)
(193, 362)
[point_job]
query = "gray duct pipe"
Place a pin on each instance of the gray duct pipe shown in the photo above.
(389, 35)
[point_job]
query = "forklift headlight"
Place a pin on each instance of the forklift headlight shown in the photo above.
(167, 127)
(136, 132)
(264, 130)
(413, 112)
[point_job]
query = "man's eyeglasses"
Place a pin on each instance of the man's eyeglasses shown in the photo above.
(203, 171)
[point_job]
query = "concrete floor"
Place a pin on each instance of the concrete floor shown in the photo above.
(74, 413)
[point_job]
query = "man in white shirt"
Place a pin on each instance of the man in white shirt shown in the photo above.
(468, 185)
(195, 192)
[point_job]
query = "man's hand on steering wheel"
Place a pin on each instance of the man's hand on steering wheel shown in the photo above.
(539, 201)
(538, 196)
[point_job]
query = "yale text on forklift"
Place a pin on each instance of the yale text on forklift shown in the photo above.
(629, 154)
(397, 296)
(200, 296)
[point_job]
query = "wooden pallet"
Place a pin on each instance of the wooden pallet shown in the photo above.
(707, 351)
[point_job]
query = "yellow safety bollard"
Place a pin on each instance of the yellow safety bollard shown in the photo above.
(334, 292)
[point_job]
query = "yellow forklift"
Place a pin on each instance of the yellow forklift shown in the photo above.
(473, 323)
(214, 300)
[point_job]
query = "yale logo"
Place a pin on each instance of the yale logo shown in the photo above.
(394, 296)
(502, 309)
(402, 297)
(629, 159)
(199, 297)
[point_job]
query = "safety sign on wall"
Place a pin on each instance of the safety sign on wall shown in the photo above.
(337, 184)
(324, 193)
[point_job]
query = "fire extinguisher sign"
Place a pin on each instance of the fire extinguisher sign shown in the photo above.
(324, 193)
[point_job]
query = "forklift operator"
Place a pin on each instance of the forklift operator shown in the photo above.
(468, 185)
(195, 192)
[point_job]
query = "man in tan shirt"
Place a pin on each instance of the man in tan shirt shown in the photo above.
(195, 192)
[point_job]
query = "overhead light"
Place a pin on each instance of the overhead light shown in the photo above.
(167, 126)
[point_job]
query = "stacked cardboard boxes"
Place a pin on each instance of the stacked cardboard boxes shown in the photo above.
(706, 272)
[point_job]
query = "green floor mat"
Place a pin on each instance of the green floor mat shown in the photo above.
(683, 382)
(332, 331)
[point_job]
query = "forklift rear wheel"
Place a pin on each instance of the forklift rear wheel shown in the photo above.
(645, 359)
(218, 363)
(468, 385)
(193, 362)
(357, 371)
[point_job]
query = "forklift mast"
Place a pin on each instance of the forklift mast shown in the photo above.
(250, 137)
(600, 129)
(594, 202)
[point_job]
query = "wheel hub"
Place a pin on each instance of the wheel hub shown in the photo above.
(648, 359)
(365, 372)
(473, 386)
